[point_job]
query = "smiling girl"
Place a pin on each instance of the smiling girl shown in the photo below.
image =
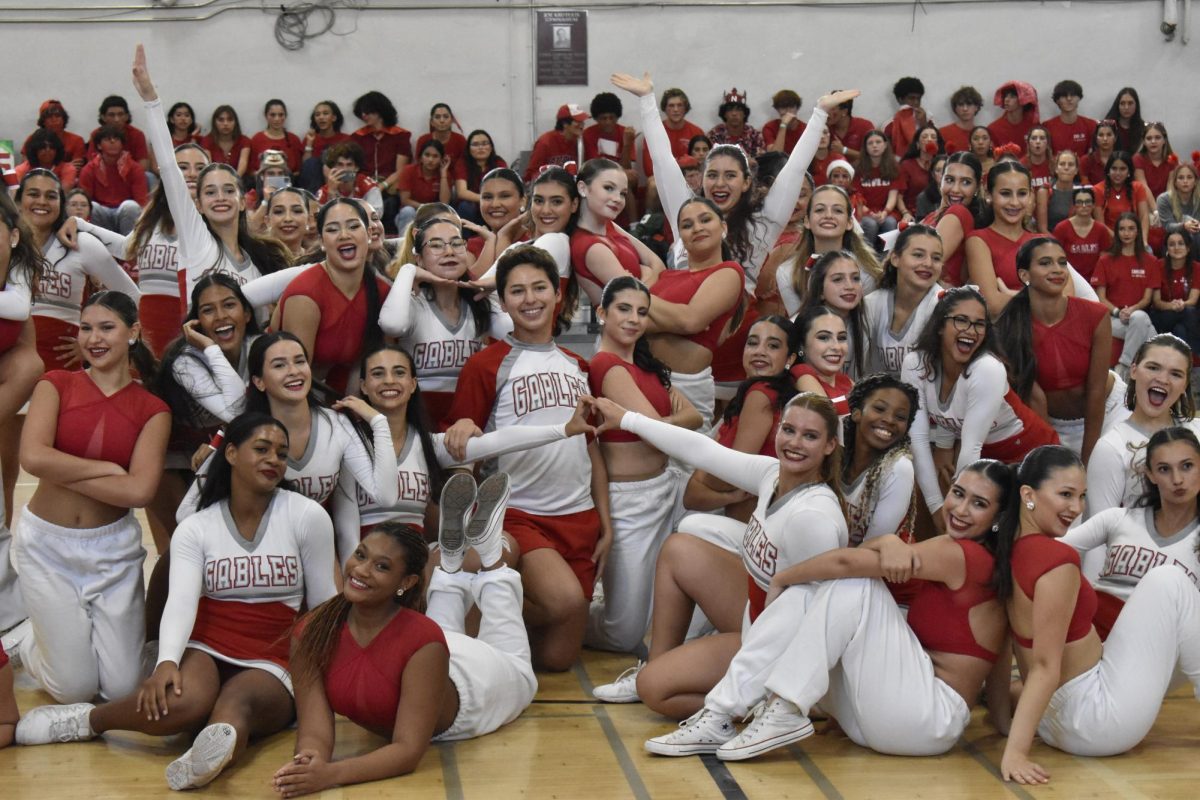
(957, 213)
(897, 312)
(822, 356)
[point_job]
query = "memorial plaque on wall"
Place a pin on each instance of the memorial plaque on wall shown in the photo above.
(562, 48)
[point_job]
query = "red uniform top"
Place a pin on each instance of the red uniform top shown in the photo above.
(941, 616)
(1033, 555)
(1077, 136)
(1176, 284)
(460, 174)
(423, 189)
(1125, 279)
(290, 145)
(838, 394)
(382, 147)
(454, 147)
(1064, 350)
(727, 431)
(679, 138)
(550, 149)
(91, 425)
(855, 133)
(1115, 204)
(613, 143)
(874, 188)
(957, 140)
(681, 285)
(1004, 254)
(770, 132)
(1039, 174)
(113, 184)
(1004, 132)
(220, 156)
(1156, 176)
(321, 142)
(363, 683)
(614, 240)
(912, 180)
(952, 262)
(135, 143)
(1083, 251)
(647, 382)
(339, 340)
(73, 145)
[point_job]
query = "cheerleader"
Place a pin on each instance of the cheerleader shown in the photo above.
(418, 678)
(822, 357)
(642, 491)
(1160, 526)
(693, 310)
(965, 396)
(95, 441)
(837, 282)
(898, 685)
(241, 567)
(1159, 396)
(799, 514)
(501, 193)
(957, 214)
(1081, 696)
(1058, 349)
(286, 218)
(896, 313)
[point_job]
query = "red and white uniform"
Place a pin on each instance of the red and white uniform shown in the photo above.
(16, 304)
(887, 350)
(1118, 464)
(236, 599)
(982, 412)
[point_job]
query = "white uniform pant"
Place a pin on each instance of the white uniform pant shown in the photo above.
(494, 672)
(1111, 707)
(84, 592)
(642, 514)
(12, 607)
(699, 389)
(1070, 431)
(854, 653)
(1135, 332)
(763, 644)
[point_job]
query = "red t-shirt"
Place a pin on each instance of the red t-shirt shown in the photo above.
(454, 147)
(551, 149)
(957, 140)
(681, 285)
(291, 146)
(1116, 204)
(423, 189)
(648, 384)
(855, 133)
(231, 156)
(1040, 173)
(1125, 279)
(1083, 251)
(102, 428)
(1004, 132)
(1077, 136)
(838, 394)
(460, 173)
(874, 189)
(382, 147)
(912, 180)
(952, 262)
(613, 143)
(1092, 169)
(679, 143)
(135, 143)
(820, 166)
(321, 142)
(1156, 176)
(112, 184)
(1004, 254)
(1177, 285)
(770, 132)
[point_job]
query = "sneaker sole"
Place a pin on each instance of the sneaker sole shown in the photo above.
(618, 699)
(662, 749)
(491, 496)
(767, 745)
(210, 752)
(458, 496)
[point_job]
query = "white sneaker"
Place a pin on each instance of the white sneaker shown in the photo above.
(13, 638)
(702, 732)
(455, 504)
(485, 530)
(209, 753)
(623, 689)
(50, 724)
(776, 724)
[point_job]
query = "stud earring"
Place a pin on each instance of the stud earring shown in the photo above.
(132, 342)
(996, 528)
(1029, 504)
(400, 593)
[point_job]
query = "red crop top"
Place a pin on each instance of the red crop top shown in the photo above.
(101, 428)
(941, 616)
(838, 394)
(1064, 349)
(681, 285)
(727, 432)
(952, 266)
(363, 683)
(647, 382)
(1032, 557)
(1004, 254)
(615, 240)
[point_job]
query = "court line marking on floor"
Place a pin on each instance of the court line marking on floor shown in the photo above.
(977, 754)
(727, 785)
(450, 777)
(632, 776)
(814, 773)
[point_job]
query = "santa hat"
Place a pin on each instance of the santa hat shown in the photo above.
(839, 163)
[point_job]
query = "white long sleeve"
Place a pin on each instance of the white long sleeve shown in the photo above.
(183, 600)
(314, 539)
(347, 522)
(16, 300)
(115, 243)
(891, 504)
(396, 317)
(267, 289)
(742, 470)
(1095, 532)
(100, 265)
(376, 475)
(1107, 474)
(500, 442)
(221, 391)
(673, 190)
(783, 281)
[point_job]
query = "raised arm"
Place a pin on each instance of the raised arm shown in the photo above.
(396, 316)
(100, 265)
(267, 289)
(116, 244)
(375, 473)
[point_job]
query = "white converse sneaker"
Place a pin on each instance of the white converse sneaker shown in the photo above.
(775, 724)
(485, 530)
(623, 689)
(457, 500)
(209, 753)
(702, 732)
(50, 724)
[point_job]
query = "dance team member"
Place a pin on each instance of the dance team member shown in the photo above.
(822, 355)
(957, 214)
(896, 313)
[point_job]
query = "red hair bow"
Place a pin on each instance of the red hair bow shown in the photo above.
(1011, 149)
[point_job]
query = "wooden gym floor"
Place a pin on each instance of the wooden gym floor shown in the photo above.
(568, 746)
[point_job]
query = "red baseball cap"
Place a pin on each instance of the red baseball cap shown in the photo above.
(687, 162)
(571, 111)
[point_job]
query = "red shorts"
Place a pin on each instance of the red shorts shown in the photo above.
(1108, 607)
(1011, 450)
(49, 329)
(161, 320)
(572, 536)
(10, 334)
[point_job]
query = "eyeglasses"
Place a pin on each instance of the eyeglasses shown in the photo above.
(964, 324)
(438, 246)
